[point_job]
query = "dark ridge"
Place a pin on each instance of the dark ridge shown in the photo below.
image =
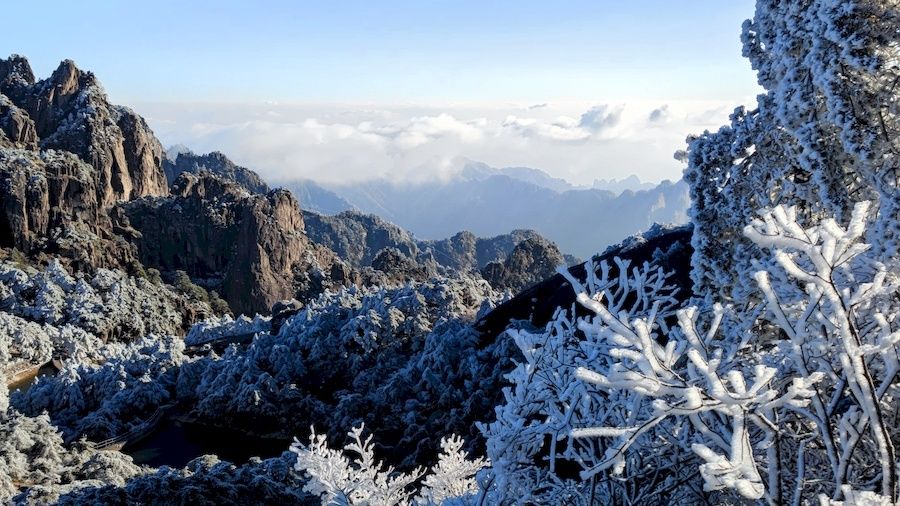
(536, 305)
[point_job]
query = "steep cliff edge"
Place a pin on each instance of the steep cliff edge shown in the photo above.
(87, 182)
(250, 247)
(66, 157)
(70, 112)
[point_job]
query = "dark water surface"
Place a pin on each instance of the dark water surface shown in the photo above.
(175, 443)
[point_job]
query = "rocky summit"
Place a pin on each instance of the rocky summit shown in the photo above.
(87, 182)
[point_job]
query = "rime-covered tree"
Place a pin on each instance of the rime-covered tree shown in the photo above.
(363, 480)
(824, 135)
(782, 401)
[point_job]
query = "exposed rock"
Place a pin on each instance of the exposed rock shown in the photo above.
(49, 205)
(69, 111)
(400, 268)
(532, 260)
(15, 74)
(282, 310)
(17, 130)
(92, 155)
(670, 249)
(465, 252)
(218, 164)
(250, 248)
(358, 237)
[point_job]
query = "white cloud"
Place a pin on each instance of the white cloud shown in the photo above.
(600, 117)
(659, 115)
(576, 141)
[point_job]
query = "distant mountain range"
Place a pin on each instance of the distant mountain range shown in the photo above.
(489, 201)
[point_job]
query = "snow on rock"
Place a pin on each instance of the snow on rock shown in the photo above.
(224, 327)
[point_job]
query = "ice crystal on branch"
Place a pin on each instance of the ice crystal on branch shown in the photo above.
(337, 479)
(776, 401)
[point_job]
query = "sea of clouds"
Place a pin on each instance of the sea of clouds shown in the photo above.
(576, 141)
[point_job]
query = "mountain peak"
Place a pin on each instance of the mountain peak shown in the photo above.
(15, 70)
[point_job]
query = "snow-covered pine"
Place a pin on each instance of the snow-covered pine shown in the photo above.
(33, 457)
(534, 456)
(50, 312)
(824, 135)
(101, 401)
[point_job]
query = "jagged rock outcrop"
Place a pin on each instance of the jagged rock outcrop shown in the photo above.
(251, 248)
(400, 268)
(218, 164)
(668, 248)
(66, 157)
(70, 163)
(358, 237)
(466, 252)
(49, 204)
(509, 261)
(70, 112)
(17, 130)
(531, 261)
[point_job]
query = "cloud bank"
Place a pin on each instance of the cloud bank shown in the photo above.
(334, 143)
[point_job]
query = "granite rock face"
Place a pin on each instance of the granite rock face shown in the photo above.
(17, 130)
(531, 261)
(66, 157)
(69, 111)
(84, 181)
(218, 164)
(368, 241)
(251, 248)
(357, 237)
(49, 205)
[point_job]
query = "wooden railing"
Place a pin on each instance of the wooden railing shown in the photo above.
(141, 431)
(223, 341)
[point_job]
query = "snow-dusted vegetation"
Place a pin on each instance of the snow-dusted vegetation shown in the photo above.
(337, 480)
(782, 401)
(109, 305)
(103, 401)
(774, 381)
(823, 136)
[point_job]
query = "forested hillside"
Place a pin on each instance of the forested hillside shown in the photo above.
(749, 356)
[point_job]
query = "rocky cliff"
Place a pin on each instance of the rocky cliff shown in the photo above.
(87, 182)
(531, 261)
(508, 262)
(359, 237)
(218, 164)
(249, 247)
(66, 157)
(69, 111)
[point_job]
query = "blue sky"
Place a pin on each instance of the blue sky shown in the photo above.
(395, 51)
(414, 85)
